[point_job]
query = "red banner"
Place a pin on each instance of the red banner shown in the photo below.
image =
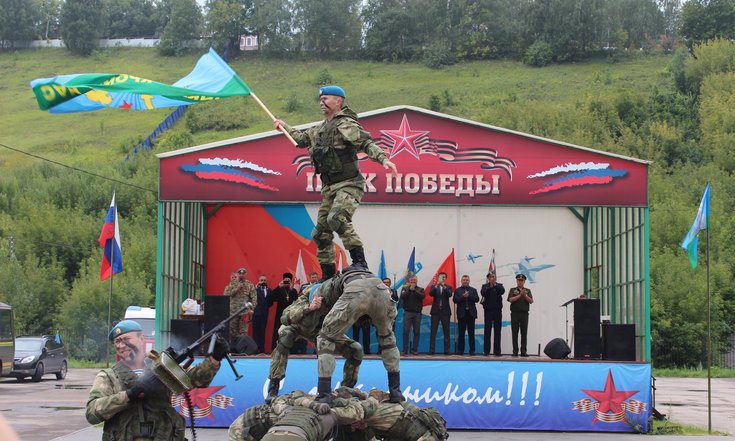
(440, 159)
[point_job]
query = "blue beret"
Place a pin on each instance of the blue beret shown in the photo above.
(124, 327)
(332, 90)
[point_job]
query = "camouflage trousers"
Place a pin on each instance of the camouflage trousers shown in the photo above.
(360, 297)
(339, 202)
(350, 350)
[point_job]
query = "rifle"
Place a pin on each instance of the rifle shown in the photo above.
(167, 365)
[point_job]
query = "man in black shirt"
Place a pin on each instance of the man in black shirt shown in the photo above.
(440, 312)
(466, 297)
(492, 303)
(413, 298)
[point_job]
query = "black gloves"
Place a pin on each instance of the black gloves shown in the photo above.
(221, 349)
(146, 385)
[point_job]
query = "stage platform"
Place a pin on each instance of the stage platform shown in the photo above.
(471, 392)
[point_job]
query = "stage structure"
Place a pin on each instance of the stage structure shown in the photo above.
(573, 219)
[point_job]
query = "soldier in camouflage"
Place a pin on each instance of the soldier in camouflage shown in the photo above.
(240, 290)
(303, 319)
(132, 402)
(404, 421)
(333, 146)
(294, 417)
(354, 294)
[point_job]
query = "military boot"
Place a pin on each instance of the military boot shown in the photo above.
(273, 386)
(324, 390)
(394, 387)
(358, 259)
(328, 270)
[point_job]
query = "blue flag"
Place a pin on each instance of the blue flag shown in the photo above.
(382, 272)
(701, 222)
(411, 266)
(58, 338)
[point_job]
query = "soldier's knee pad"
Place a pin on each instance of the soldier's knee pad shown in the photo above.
(356, 351)
(337, 221)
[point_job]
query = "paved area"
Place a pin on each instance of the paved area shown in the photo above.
(54, 410)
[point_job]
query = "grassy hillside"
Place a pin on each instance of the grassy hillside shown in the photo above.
(503, 93)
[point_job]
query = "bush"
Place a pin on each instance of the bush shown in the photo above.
(435, 103)
(539, 54)
(438, 56)
(323, 78)
(292, 105)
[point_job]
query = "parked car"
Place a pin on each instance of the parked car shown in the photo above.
(39, 356)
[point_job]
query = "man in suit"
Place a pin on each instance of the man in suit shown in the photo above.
(440, 312)
(466, 297)
(260, 315)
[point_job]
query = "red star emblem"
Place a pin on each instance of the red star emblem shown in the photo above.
(610, 399)
(200, 395)
(126, 105)
(403, 139)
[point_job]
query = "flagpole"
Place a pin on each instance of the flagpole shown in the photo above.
(273, 118)
(109, 296)
(709, 334)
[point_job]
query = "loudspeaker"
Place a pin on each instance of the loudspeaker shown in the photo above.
(244, 344)
(216, 309)
(557, 349)
(184, 332)
(586, 346)
(587, 316)
(618, 342)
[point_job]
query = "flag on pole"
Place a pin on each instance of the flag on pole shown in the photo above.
(701, 222)
(410, 267)
(382, 272)
(492, 268)
(110, 241)
(211, 79)
(300, 276)
(448, 267)
(340, 265)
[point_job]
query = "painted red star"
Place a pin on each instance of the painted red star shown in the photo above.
(610, 399)
(126, 105)
(200, 395)
(404, 139)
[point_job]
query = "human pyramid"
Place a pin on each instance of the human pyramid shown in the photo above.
(324, 311)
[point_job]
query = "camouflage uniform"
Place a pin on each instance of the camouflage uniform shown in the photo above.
(108, 402)
(358, 293)
(291, 418)
(406, 422)
(299, 321)
(240, 294)
(333, 147)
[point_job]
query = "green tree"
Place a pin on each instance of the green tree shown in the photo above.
(183, 25)
(488, 29)
(710, 57)
(272, 21)
(87, 339)
(17, 22)
(227, 21)
(82, 22)
(328, 26)
(48, 20)
(703, 20)
(390, 30)
(130, 18)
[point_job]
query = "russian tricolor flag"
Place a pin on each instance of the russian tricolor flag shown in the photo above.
(110, 240)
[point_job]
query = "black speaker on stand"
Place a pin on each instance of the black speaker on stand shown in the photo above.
(587, 329)
(216, 309)
(618, 342)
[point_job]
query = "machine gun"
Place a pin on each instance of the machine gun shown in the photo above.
(167, 364)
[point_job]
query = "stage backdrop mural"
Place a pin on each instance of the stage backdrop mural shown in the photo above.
(547, 248)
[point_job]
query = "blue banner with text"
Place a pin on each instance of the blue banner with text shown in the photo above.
(470, 394)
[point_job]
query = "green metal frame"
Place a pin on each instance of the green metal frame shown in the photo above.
(617, 269)
(181, 261)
